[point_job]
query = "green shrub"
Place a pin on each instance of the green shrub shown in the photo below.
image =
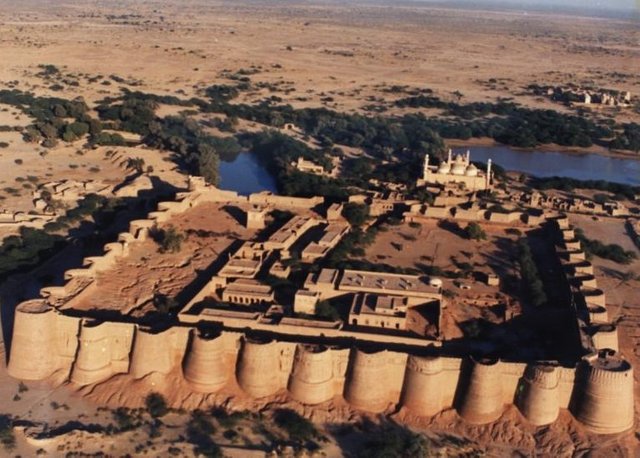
(297, 427)
(156, 405)
(170, 240)
(474, 231)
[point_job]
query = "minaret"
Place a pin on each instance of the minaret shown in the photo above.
(425, 172)
(468, 158)
(488, 178)
(449, 157)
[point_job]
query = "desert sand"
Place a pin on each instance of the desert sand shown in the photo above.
(338, 56)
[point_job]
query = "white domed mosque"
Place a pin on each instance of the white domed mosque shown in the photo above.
(456, 171)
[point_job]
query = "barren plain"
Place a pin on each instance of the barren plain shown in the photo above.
(344, 57)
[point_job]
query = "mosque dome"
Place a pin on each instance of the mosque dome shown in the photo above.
(444, 168)
(459, 167)
(472, 171)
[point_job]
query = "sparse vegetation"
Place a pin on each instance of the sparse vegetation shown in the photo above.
(474, 231)
(531, 283)
(156, 405)
(169, 239)
(611, 251)
(7, 438)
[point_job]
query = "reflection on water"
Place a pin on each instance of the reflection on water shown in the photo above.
(245, 175)
(547, 164)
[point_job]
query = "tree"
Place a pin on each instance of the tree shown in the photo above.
(325, 310)
(395, 442)
(170, 240)
(209, 164)
(297, 427)
(356, 214)
(136, 164)
(473, 231)
(156, 405)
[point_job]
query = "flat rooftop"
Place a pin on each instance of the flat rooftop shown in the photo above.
(244, 286)
(399, 284)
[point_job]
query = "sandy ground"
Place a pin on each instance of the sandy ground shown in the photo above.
(314, 55)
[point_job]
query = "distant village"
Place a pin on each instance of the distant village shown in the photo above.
(584, 96)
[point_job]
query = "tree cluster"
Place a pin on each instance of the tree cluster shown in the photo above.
(531, 283)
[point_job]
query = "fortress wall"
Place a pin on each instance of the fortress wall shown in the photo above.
(140, 228)
(156, 352)
(103, 351)
(511, 377)
(311, 378)
(606, 338)
(594, 296)
(67, 332)
(565, 385)
(258, 368)
(603, 397)
(34, 335)
(340, 367)
(285, 201)
(422, 391)
(451, 377)
(373, 379)
(205, 363)
(78, 273)
(597, 314)
(481, 397)
(539, 397)
(600, 395)
(90, 291)
(572, 244)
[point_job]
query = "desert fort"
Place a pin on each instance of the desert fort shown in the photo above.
(318, 229)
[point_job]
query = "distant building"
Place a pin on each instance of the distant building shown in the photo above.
(308, 166)
(379, 311)
(248, 292)
(458, 171)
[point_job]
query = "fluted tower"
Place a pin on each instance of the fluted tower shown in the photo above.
(539, 395)
(204, 365)
(33, 353)
(422, 387)
(93, 361)
(152, 353)
(366, 383)
(481, 399)
(603, 393)
(258, 367)
(311, 380)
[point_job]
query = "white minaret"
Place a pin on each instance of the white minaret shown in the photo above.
(449, 157)
(468, 158)
(425, 171)
(488, 177)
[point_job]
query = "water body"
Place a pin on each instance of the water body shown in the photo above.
(245, 175)
(547, 164)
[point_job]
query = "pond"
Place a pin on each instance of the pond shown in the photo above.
(546, 164)
(245, 175)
